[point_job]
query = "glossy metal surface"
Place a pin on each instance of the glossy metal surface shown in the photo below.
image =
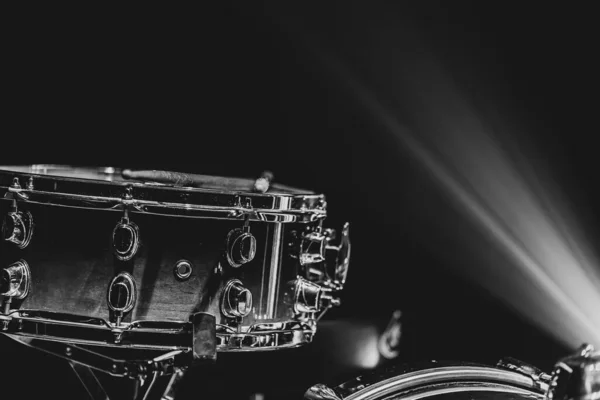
(577, 377)
(325, 263)
(106, 189)
(183, 269)
(149, 304)
(236, 300)
(313, 247)
(268, 336)
(433, 380)
(125, 239)
(17, 228)
(274, 268)
(163, 364)
(152, 335)
(340, 264)
(241, 247)
(72, 273)
(15, 280)
(122, 293)
(307, 297)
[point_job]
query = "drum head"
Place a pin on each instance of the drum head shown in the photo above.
(161, 193)
(116, 175)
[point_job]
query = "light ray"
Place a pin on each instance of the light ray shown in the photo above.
(552, 279)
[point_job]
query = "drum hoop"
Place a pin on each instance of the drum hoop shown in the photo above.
(161, 200)
(390, 382)
(142, 334)
(459, 387)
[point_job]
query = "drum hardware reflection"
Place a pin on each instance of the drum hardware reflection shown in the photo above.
(265, 271)
(576, 377)
(389, 341)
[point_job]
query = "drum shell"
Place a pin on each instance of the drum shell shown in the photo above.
(72, 263)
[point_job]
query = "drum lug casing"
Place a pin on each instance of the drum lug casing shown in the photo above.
(323, 262)
(16, 280)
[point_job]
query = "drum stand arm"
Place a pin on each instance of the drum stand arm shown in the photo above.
(146, 372)
(202, 350)
(143, 389)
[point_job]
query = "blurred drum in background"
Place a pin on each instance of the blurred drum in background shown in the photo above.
(355, 345)
(576, 377)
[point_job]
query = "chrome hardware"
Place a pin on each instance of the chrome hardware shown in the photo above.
(268, 336)
(325, 263)
(321, 392)
(122, 294)
(143, 335)
(183, 269)
(539, 378)
(576, 377)
(241, 246)
(431, 380)
(293, 206)
(307, 296)
(163, 364)
(236, 301)
(310, 297)
(15, 281)
(125, 239)
(329, 299)
(274, 268)
(312, 247)
(338, 260)
(17, 227)
(15, 191)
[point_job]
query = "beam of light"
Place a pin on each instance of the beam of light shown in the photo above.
(552, 278)
(565, 299)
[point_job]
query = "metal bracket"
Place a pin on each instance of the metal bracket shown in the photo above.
(89, 381)
(146, 372)
(203, 348)
(135, 369)
(539, 378)
(16, 190)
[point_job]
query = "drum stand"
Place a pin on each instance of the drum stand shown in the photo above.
(147, 372)
(144, 389)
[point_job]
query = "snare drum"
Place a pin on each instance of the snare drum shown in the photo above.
(90, 257)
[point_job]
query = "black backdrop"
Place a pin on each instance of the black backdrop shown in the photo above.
(224, 90)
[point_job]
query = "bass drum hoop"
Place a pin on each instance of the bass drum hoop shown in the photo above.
(105, 189)
(431, 380)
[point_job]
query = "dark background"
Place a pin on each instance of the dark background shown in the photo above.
(228, 90)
